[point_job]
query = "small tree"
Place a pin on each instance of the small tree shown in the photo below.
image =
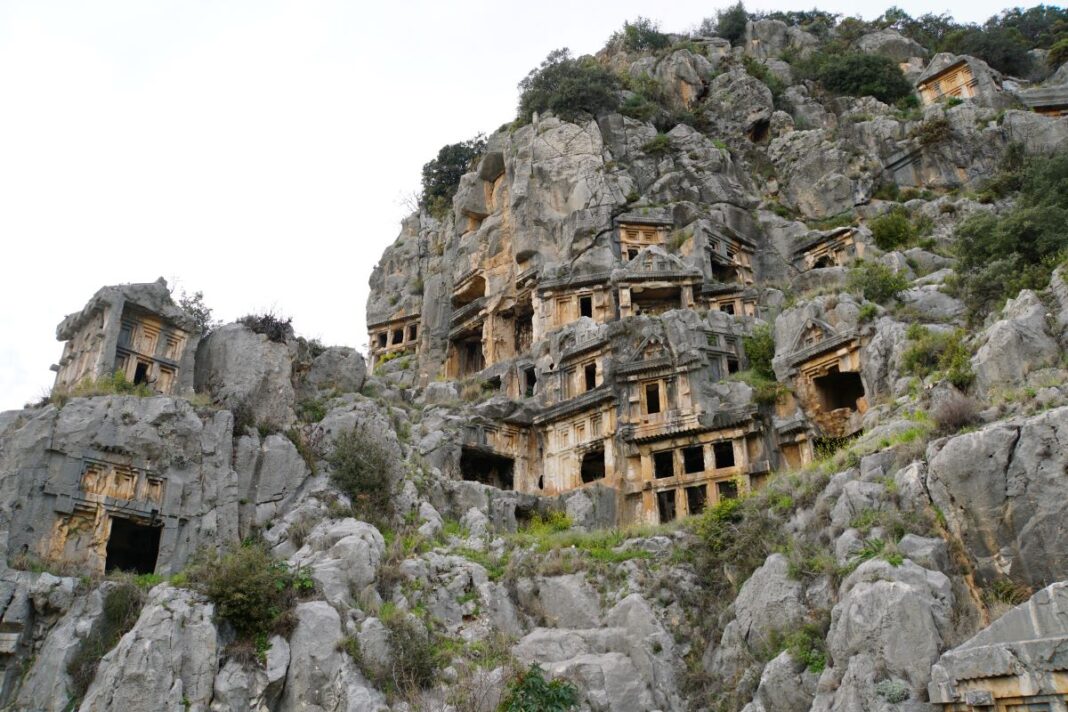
(641, 35)
(570, 88)
(893, 230)
(362, 468)
(760, 350)
(198, 311)
(729, 23)
(441, 176)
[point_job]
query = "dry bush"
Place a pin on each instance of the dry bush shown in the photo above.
(954, 412)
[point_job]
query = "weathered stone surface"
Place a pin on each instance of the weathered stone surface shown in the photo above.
(1015, 345)
(1002, 491)
(343, 557)
(248, 373)
(168, 660)
(337, 369)
(1021, 653)
(892, 44)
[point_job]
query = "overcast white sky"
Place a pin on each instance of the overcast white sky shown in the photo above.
(255, 150)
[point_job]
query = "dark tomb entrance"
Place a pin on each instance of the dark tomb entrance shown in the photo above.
(132, 547)
(487, 468)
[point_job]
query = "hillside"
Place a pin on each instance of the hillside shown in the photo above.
(729, 376)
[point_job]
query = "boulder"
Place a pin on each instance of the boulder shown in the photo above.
(1002, 491)
(1015, 345)
(249, 374)
(891, 44)
(337, 369)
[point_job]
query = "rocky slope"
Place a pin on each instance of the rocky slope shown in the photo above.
(865, 579)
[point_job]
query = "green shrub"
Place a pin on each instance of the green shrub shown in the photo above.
(893, 691)
(641, 35)
(867, 313)
(876, 281)
(807, 647)
(198, 311)
(1002, 254)
(934, 131)
(1058, 53)
(857, 74)
(363, 468)
(659, 145)
(122, 606)
(893, 229)
(441, 175)
(942, 352)
(271, 325)
(570, 88)
(415, 662)
(529, 691)
(760, 350)
(760, 71)
(251, 590)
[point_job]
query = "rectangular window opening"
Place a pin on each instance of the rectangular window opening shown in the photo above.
(732, 365)
(530, 379)
(665, 505)
(652, 398)
(586, 306)
(664, 464)
(398, 336)
(693, 459)
(132, 547)
(589, 373)
(413, 332)
(696, 497)
(727, 490)
(487, 467)
(140, 373)
(724, 454)
(593, 467)
(382, 340)
(727, 308)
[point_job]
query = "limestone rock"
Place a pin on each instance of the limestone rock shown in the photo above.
(1015, 345)
(248, 373)
(892, 44)
(1001, 490)
(169, 658)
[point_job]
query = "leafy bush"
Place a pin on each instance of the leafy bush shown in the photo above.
(659, 145)
(1058, 53)
(760, 350)
(876, 281)
(570, 88)
(1002, 254)
(893, 229)
(806, 646)
(857, 74)
(415, 662)
(893, 691)
(938, 352)
(934, 131)
(641, 35)
(270, 325)
(362, 468)
(441, 176)
(251, 590)
(122, 606)
(531, 692)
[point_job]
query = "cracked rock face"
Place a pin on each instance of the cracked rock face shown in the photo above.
(1002, 490)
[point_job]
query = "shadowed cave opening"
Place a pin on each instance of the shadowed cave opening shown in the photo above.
(839, 390)
(132, 547)
(487, 468)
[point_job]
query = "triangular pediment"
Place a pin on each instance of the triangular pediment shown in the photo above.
(813, 332)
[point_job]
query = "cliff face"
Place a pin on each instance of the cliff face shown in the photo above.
(692, 416)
